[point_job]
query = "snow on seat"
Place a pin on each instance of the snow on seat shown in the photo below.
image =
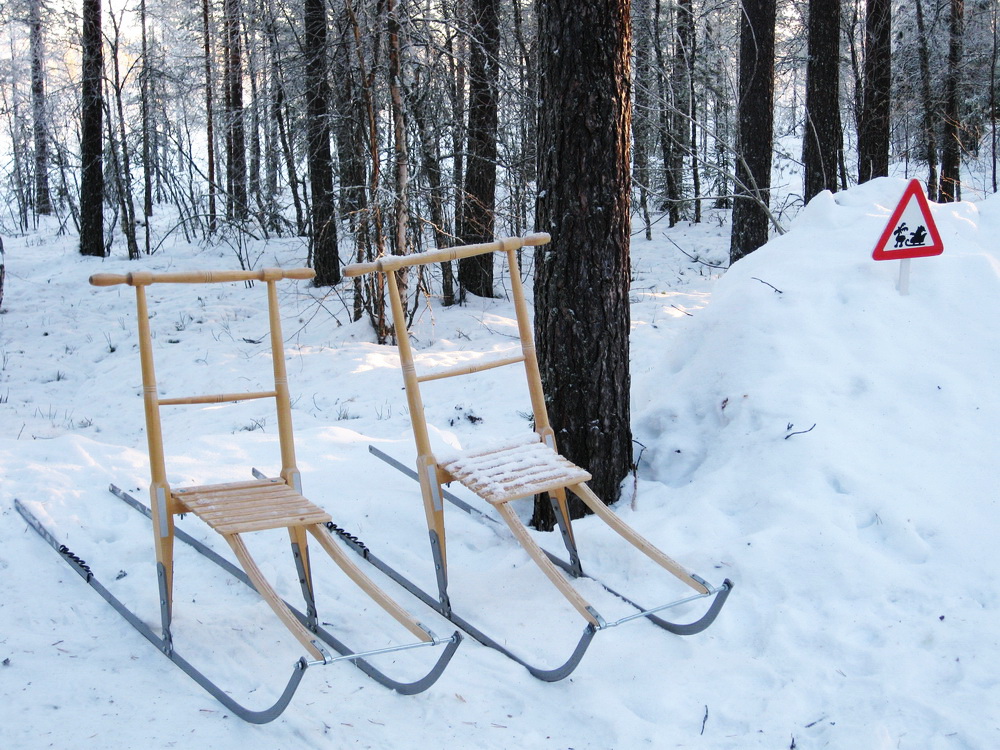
(517, 467)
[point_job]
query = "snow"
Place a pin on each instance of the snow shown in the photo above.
(802, 428)
(513, 467)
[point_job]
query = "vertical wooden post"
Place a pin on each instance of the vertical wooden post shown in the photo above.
(534, 376)
(535, 390)
(426, 465)
(282, 400)
(161, 501)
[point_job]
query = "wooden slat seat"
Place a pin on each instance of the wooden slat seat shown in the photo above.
(250, 506)
(519, 467)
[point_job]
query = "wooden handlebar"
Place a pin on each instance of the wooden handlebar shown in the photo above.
(145, 278)
(395, 262)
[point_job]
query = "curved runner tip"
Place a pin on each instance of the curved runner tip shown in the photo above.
(701, 623)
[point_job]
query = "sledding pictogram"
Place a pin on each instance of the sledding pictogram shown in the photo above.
(910, 230)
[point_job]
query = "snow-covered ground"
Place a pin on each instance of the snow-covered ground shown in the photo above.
(802, 428)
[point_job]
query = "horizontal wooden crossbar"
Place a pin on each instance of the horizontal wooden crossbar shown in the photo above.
(218, 398)
(469, 369)
(145, 278)
(396, 262)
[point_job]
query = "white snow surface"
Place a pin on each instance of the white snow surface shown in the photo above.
(801, 428)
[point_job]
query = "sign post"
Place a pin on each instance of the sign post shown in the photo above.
(912, 233)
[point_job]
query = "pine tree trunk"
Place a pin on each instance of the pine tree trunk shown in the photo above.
(756, 125)
(582, 277)
(147, 166)
(43, 197)
(119, 148)
(951, 185)
(236, 156)
(642, 126)
(665, 136)
(822, 137)
(929, 120)
(209, 116)
(475, 275)
(994, 54)
(401, 208)
(682, 100)
(326, 260)
(91, 133)
(458, 51)
(873, 131)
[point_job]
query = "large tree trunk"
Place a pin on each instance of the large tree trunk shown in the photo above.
(326, 260)
(91, 136)
(873, 130)
(756, 124)
(951, 186)
(475, 275)
(582, 277)
(822, 137)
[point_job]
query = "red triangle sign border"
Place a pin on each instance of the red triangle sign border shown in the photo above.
(881, 252)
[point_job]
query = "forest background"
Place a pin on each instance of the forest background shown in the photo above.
(393, 126)
(216, 111)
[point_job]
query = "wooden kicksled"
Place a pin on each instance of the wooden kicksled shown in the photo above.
(516, 468)
(234, 509)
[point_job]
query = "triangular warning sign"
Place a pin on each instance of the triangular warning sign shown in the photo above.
(911, 232)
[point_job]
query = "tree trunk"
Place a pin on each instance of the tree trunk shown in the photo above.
(43, 198)
(929, 120)
(121, 162)
(951, 185)
(475, 275)
(693, 114)
(642, 125)
(756, 122)
(91, 135)
(681, 119)
(430, 164)
(326, 260)
(458, 51)
(582, 277)
(278, 114)
(401, 212)
(994, 53)
(236, 156)
(822, 138)
(668, 144)
(209, 116)
(873, 131)
(147, 165)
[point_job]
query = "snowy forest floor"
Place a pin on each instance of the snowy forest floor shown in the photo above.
(801, 428)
